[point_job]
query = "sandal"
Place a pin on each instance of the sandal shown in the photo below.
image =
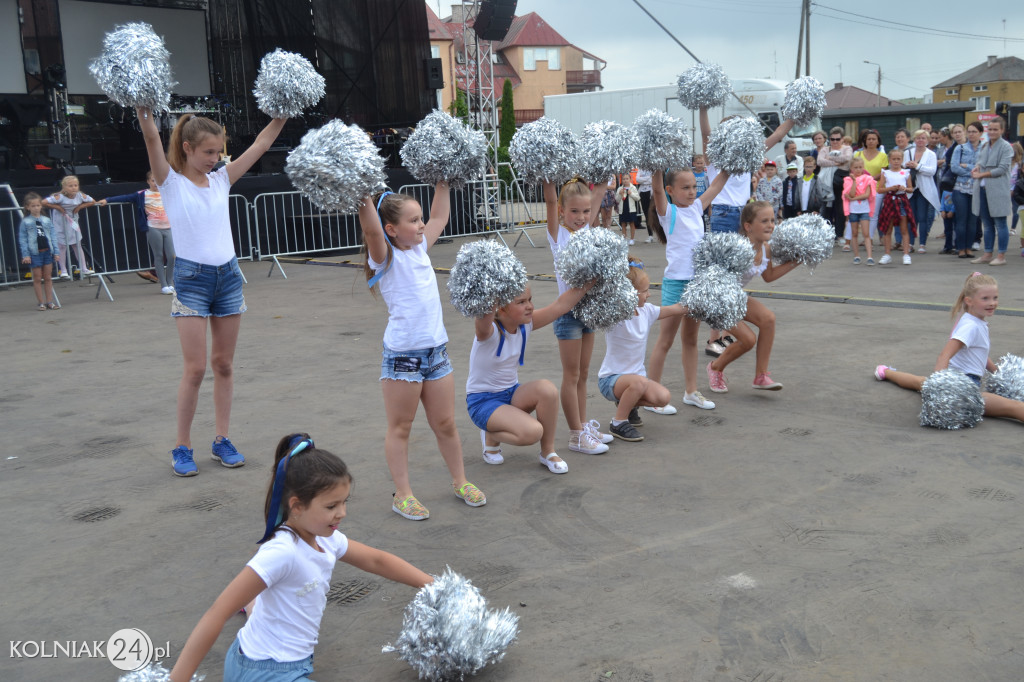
(42, 306)
(559, 467)
(492, 453)
(52, 306)
(470, 494)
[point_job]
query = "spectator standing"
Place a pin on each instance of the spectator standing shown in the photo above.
(834, 166)
(991, 197)
(790, 156)
(874, 161)
(925, 200)
(643, 184)
(961, 163)
(151, 219)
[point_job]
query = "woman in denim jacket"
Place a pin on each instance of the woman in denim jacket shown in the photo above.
(962, 163)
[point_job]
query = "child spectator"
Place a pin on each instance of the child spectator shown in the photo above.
(770, 187)
(791, 192)
(809, 199)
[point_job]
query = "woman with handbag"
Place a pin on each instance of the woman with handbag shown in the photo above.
(945, 180)
(961, 163)
(991, 197)
(834, 165)
(922, 164)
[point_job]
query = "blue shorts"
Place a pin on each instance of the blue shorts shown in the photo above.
(425, 364)
(568, 328)
(207, 290)
(607, 386)
(42, 258)
(725, 218)
(672, 290)
(975, 378)
(859, 217)
(482, 405)
(240, 668)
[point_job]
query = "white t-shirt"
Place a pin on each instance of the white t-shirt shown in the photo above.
(626, 343)
(736, 191)
(756, 269)
(805, 193)
(489, 373)
(680, 242)
(894, 178)
(973, 357)
(644, 179)
(200, 216)
(285, 622)
(414, 304)
(556, 247)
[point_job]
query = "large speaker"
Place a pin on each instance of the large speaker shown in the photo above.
(494, 19)
(435, 73)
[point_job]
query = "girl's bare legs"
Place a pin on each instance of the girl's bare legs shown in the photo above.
(47, 281)
(887, 241)
(575, 355)
(998, 406)
(37, 284)
(224, 334)
(401, 399)
(438, 398)
(865, 229)
(745, 340)
(905, 236)
(906, 380)
(513, 423)
(688, 335)
(764, 319)
(633, 390)
(192, 336)
(666, 336)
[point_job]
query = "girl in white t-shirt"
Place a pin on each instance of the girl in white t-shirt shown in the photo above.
(968, 346)
(290, 575)
(498, 404)
(622, 378)
(65, 206)
(414, 360)
(757, 222)
(894, 186)
(678, 223)
(207, 281)
(568, 211)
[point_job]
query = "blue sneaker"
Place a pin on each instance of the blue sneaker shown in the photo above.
(225, 453)
(181, 460)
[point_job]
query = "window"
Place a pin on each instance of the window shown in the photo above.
(951, 91)
(981, 88)
(529, 62)
(435, 51)
(981, 103)
(554, 59)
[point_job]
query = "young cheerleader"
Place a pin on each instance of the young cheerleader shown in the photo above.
(498, 404)
(414, 360)
(894, 187)
(968, 346)
(678, 223)
(859, 205)
(65, 206)
(151, 219)
(622, 378)
(207, 281)
(568, 211)
(757, 222)
(37, 239)
(290, 575)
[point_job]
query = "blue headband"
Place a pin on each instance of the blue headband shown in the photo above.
(636, 264)
(298, 444)
(383, 271)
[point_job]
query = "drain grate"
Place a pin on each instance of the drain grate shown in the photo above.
(96, 514)
(350, 591)
(707, 421)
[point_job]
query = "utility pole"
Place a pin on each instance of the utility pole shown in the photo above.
(807, 37)
(878, 102)
(800, 43)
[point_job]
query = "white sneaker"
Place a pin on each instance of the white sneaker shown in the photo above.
(668, 409)
(648, 240)
(65, 275)
(976, 246)
(592, 427)
(697, 400)
(631, 242)
(885, 260)
(581, 441)
(167, 290)
(906, 259)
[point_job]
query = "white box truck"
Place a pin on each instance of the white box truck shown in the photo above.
(763, 96)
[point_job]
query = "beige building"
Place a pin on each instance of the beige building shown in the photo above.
(533, 56)
(997, 80)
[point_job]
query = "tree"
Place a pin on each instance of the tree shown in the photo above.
(458, 107)
(508, 115)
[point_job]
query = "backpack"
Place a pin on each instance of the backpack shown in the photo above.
(1018, 188)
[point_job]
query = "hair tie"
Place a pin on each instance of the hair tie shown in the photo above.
(975, 274)
(297, 445)
(636, 264)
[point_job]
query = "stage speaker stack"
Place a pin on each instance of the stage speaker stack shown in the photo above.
(494, 19)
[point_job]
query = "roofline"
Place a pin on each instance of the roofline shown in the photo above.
(903, 109)
(952, 82)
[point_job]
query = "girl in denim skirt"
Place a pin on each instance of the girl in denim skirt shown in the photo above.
(207, 281)
(414, 364)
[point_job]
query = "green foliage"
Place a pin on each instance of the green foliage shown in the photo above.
(508, 115)
(459, 108)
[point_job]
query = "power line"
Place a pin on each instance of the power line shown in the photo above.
(934, 31)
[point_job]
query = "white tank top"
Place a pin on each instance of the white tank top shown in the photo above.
(756, 269)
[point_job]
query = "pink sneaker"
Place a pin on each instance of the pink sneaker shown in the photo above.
(880, 372)
(765, 383)
(716, 381)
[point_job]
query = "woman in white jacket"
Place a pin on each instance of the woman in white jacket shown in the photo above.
(924, 163)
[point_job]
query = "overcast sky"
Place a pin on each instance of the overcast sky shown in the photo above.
(754, 38)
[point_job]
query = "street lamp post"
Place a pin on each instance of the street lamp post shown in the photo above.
(878, 102)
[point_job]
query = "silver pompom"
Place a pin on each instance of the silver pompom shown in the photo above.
(662, 141)
(737, 146)
(607, 148)
(715, 296)
(545, 150)
(486, 275)
(134, 68)
(728, 250)
(444, 149)
(336, 167)
(592, 254)
(610, 302)
(154, 672)
(1008, 381)
(448, 632)
(287, 84)
(951, 400)
(807, 239)
(804, 101)
(704, 85)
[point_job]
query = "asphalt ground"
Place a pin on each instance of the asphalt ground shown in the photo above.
(815, 533)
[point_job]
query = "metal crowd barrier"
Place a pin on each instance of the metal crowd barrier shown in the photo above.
(476, 208)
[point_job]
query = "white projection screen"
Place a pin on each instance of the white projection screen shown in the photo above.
(12, 76)
(83, 25)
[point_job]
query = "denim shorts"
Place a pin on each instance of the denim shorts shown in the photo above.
(240, 668)
(607, 386)
(859, 217)
(425, 364)
(725, 218)
(568, 328)
(42, 258)
(672, 290)
(207, 290)
(482, 405)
